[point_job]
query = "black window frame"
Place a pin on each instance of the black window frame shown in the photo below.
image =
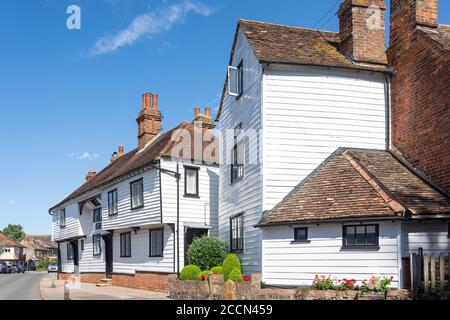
(448, 231)
(239, 245)
(297, 239)
(124, 253)
(97, 210)
(345, 245)
(82, 244)
(153, 255)
(113, 208)
(62, 222)
(197, 170)
(94, 252)
(141, 181)
(240, 79)
(70, 252)
(237, 169)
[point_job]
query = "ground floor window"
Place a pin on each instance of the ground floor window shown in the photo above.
(69, 251)
(156, 242)
(125, 245)
(300, 234)
(237, 233)
(360, 236)
(97, 244)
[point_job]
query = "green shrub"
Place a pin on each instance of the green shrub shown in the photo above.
(231, 262)
(43, 265)
(207, 252)
(190, 272)
(217, 270)
(235, 275)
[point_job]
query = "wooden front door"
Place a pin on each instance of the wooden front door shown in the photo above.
(108, 239)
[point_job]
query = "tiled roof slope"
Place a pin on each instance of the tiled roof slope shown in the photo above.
(441, 36)
(356, 183)
(293, 45)
(134, 160)
(8, 242)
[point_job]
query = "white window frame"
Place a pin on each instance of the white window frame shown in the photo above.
(238, 78)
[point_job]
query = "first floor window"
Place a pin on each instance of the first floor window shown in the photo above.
(238, 155)
(62, 218)
(113, 203)
(97, 244)
(69, 251)
(137, 194)
(97, 215)
(125, 245)
(191, 181)
(156, 242)
(237, 233)
(360, 236)
(301, 234)
(236, 80)
(82, 244)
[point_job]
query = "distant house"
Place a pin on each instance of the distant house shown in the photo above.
(322, 189)
(13, 251)
(39, 248)
(132, 222)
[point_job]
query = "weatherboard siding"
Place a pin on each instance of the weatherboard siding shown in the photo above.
(150, 213)
(296, 264)
(244, 196)
(73, 226)
(432, 237)
(310, 112)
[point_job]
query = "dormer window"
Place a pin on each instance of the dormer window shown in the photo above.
(236, 80)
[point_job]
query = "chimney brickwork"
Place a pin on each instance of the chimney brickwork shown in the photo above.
(205, 120)
(149, 120)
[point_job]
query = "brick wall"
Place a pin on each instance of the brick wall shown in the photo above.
(64, 276)
(143, 281)
(92, 277)
(420, 90)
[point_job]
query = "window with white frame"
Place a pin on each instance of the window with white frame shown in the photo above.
(236, 80)
(137, 194)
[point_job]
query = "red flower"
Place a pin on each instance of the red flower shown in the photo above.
(246, 278)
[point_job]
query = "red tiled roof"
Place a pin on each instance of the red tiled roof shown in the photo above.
(162, 146)
(358, 184)
(9, 242)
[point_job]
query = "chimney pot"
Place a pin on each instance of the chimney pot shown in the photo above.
(155, 101)
(208, 112)
(197, 111)
(90, 175)
(120, 153)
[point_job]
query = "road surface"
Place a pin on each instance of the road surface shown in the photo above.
(21, 286)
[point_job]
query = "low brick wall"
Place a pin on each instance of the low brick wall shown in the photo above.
(216, 289)
(64, 276)
(143, 281)
(92, 277)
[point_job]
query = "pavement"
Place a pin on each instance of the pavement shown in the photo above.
(89, 291)
(21, 286)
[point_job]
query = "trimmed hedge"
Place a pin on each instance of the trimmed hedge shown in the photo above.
(235, 275)
(231, 262)
(190, 272)
(207, 252)
(217, 270)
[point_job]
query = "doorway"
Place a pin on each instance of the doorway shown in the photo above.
(108, 239)
(190, 235)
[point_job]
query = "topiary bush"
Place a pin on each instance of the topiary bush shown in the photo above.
(207, 252)
(217, 270)
(235, 275)
(190, 272)
(231, 262)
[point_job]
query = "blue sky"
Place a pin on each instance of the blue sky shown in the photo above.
(68, 98)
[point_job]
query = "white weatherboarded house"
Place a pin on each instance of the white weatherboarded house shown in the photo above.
(132, 221)
(292, 97)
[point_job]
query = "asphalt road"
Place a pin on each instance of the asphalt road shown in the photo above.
(21, 286)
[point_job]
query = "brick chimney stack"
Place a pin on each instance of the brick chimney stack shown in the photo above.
(149, 120)
(90, 175)
(205, 120)
(120, 153)
(362, 30)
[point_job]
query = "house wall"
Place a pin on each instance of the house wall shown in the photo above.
(73, 226)
(310, 112)
(295, 264)
(67, 266)
(88, 262)
(149, 214)
(140, 246)
(10, 253)
(244, 196)
(432, 237)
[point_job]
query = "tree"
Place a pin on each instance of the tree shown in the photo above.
(14, 231)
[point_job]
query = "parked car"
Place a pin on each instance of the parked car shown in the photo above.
(17, 268)
(52, 267)
(9, 268)
(3, 267)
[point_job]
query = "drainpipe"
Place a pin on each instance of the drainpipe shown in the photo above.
(178, 219)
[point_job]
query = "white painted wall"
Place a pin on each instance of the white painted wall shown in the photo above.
(431, 236)
(310, 112)
(88, 262)
(10, 253)
(149, 214)
(296, 264)
(67, 266)
(244, 196)
(73, 226)
(140, 246)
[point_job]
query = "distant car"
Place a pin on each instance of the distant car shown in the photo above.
(9, 268)
(17, 268)
(53, 267)
(3, 267)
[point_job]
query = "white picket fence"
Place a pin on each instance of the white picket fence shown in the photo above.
(429, 272)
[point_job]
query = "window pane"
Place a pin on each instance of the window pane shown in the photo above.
(191, 181)
(372, 237)
(300, 234)
(137, 194)
(233, 81)
(350, 236)
(360, 235)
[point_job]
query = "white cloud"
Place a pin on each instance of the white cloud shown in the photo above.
(84, 156)
(149, 24)
(12, 202)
